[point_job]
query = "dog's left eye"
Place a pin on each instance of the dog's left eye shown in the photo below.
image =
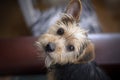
(70, 48)
(60, 31)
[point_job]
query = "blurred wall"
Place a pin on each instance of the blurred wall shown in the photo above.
(108, 12)
(11, 20)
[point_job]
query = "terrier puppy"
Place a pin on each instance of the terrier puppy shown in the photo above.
(69, 51)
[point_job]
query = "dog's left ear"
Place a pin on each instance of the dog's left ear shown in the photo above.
(74, 9)
(88, 54)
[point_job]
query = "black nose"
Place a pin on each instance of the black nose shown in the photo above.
(50, 47)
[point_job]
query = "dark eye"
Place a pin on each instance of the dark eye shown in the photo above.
(70, 48)
(60, 31)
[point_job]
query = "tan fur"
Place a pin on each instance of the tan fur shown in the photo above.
(73, 35)
(89, 54)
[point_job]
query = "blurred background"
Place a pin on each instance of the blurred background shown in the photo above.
(12, 21)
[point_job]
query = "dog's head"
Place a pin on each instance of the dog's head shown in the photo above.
(65, 42)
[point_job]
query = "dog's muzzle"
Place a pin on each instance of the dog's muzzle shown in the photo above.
(50, 47)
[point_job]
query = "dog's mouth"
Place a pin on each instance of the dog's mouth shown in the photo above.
(48, 55)
(48, 60)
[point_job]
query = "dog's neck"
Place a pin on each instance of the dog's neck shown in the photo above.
(71, 71)
(61, 66)
(83, 71)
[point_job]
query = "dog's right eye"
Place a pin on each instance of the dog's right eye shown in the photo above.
(60, 31)
(70, 48)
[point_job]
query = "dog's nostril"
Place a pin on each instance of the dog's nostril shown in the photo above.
(50, 47)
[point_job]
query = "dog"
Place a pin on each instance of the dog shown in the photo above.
(69, 52)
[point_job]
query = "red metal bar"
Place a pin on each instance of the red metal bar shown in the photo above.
(18, 55)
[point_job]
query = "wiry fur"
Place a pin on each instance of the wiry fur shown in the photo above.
(73, 35)
(65, 64)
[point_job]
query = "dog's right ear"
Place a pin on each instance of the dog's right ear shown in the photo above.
(74, 9)
(88, 54)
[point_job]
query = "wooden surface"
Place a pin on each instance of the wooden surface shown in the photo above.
(19, 56)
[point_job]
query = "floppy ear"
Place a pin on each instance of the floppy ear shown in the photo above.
(74, 9)
(88, 54)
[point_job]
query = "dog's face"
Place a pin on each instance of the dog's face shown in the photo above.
(65, 42)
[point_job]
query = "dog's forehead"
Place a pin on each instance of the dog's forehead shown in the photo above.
(72, 30)
(79, 35)
(75, 32)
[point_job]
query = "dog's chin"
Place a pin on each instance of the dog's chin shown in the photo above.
(48, 61)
